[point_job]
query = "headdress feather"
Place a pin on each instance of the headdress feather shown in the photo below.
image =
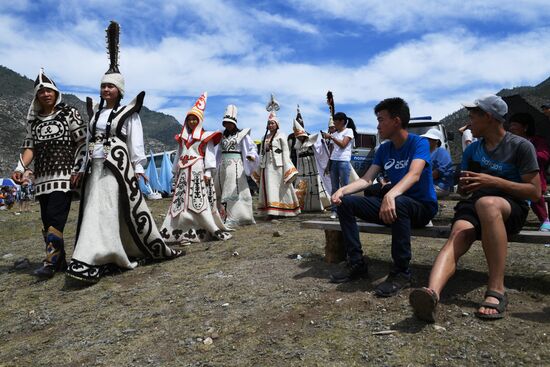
(113, 32)
(330, 102)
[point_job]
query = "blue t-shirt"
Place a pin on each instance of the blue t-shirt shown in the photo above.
(441, 161)
(513, 157)
(396, 164)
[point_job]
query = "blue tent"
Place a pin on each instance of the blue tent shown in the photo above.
(166, 175)
(152, 174)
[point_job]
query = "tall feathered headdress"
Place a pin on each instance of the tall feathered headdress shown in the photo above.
(272, 107)
(113, 75)
(112, 37)
(330, 102)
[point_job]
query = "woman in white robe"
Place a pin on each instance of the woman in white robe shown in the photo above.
(275, 174)
(236, 158)
(115, 230)
(193, 214)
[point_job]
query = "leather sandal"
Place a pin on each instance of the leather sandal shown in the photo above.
(500, 306)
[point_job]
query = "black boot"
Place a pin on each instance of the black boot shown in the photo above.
(55, 255)
(352, 272)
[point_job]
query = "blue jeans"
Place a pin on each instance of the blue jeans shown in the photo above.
(339, 175)
(410, 213)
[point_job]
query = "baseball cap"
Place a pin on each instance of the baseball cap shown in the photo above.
(492, 104)
(434, 134)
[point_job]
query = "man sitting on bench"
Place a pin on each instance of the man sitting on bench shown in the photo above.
(411, 201)
(500, 172)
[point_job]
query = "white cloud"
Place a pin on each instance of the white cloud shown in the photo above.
(285, 22)
(434, 72)
(420, 15)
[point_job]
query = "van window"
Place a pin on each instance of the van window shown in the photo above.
(365, 141)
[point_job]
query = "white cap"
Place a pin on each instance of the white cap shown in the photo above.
(492, 104)
(434, 134)
(115, 79)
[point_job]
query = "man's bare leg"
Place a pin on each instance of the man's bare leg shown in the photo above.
(460, 240)
(493, 211)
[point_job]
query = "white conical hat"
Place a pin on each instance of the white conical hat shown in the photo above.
(298, 129)
(230, 114)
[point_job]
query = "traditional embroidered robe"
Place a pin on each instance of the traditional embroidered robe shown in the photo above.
(115, 227)
(274, 176)
(312, 195)
(232, 189)
(193, 215)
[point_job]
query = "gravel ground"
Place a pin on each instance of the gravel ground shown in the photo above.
(250, 302)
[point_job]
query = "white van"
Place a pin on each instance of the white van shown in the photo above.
(363, 150)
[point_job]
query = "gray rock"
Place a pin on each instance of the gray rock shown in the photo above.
(277, 234)
(7, 256)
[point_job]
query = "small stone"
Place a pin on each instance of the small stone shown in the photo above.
(210, 330)
(199, 340)
(338, 300)
(439, 328)
(208, 341)
(7, 256)
(215, 335)
(299, 257)
(235, 253)
(129, 331)
(225, 305)
(16, 213)
(275, 221)
(277, 234)
(465, 314)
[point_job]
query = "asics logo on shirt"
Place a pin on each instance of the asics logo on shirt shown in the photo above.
(494, 166)
(396, 164)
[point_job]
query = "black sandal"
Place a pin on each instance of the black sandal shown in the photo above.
(500, 306)
(424, 302)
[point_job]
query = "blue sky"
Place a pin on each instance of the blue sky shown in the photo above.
(435, 54)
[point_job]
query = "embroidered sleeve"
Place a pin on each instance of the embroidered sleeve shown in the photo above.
(78, 134)
(28, 141)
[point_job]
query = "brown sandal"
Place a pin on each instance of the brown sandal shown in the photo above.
(424, 302)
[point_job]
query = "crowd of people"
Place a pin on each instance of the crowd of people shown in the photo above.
(502, 174)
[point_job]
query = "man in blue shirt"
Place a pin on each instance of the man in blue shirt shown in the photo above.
(500, 173)
(442, 165)
(411, 201)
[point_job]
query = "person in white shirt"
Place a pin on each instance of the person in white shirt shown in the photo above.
(467, 137)
(340, 158)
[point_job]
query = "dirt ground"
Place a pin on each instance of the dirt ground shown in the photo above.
(250, 302)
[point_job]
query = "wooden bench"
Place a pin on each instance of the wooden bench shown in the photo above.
(334, 247)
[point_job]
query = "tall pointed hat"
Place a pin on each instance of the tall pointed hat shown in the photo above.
(113, 75)
(42, 81)
(198, 111)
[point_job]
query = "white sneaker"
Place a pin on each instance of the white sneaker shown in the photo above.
(333, 215)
